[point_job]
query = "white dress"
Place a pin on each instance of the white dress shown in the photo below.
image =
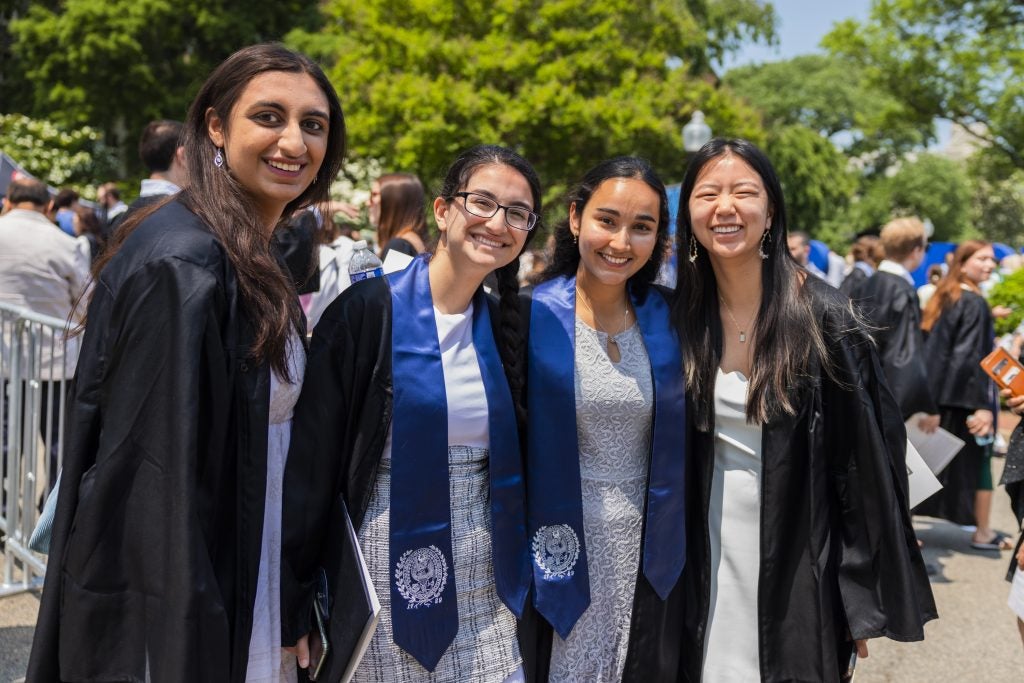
(485, 649)
(614, 406)
(268, 663)
(734, 523)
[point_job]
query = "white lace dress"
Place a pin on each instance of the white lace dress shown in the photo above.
(268, 663)
(614, 405)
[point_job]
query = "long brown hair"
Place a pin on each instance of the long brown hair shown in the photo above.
(948, 291)
(228, 208)
(402, 207)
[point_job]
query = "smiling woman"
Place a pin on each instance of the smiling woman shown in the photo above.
(411, 415)
(166, 539)
(607, 448)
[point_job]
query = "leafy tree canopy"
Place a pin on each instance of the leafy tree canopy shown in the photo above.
(950, 59)
(566, 82)
(930, 187)
(58, 156)
(833, 96)
(117, 64)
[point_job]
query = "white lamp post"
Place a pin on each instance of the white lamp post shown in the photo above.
(696, 133)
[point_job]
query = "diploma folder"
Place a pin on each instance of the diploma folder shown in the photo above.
(355, 610)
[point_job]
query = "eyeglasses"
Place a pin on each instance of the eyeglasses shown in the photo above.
(483, 206)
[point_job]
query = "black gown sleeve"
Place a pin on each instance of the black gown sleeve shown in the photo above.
(882, 578)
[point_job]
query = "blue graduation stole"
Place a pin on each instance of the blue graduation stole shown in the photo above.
(555, 507)
(424, 612)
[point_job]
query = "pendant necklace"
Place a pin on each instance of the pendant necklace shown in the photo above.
(743, 333)
(611, 340)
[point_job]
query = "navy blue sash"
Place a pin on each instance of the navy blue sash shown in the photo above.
(555, 506)
(424, 611)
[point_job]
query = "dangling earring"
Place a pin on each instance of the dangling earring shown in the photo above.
(218, 160)
(693, 249)
(314, 180)
(575, 239)
(764, 240)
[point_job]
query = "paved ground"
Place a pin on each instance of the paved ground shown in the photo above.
(975, 638)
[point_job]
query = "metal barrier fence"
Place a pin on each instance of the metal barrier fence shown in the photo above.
(35, 366)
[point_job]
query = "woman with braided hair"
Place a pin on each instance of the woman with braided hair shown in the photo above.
(606, 430)
(410, 412)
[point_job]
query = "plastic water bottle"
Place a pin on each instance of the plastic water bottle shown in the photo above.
(364, 263)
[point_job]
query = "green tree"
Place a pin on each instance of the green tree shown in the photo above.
(949, 59)
(997, 205)
(58, 156)
(566, 82)
(929, 186)
(815, 179)
(117, 64)
(832, 95)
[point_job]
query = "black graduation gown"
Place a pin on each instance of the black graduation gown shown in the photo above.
(656, 625)
(156, 538)
(852, 281)
(959, 339)
(339, 429)
(837, 550)
(891, 306)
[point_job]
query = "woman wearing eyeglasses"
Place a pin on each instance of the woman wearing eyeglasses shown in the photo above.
(410, 412)
(607, 438)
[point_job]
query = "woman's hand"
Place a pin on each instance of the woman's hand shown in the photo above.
(862, 648)
(301, 651)
(980, 423)
(1001, 311)
(1014, 403)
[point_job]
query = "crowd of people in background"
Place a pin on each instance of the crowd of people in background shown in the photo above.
(617, 455)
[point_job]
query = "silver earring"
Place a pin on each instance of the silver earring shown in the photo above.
(575, 239)
(218, 160)
(764, 240)
(693, 249)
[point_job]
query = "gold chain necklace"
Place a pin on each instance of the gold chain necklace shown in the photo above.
(743, 333)
(611, 339)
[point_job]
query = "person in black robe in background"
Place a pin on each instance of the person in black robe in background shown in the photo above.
(157, 534)
(959, 335)
(889, 301)
(866, 254)
(1013, 480)
(838, 557)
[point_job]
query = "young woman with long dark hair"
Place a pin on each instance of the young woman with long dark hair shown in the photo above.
(959, 330)
(410, 413)
(607, 437)
(800, 538)
(164, 559)
(397, 210)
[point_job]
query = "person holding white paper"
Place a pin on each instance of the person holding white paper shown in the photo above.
(960, 333)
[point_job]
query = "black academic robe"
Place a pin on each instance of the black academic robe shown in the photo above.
(838, 551)
(850, 283)
(656, 625)
(958, 340)
(890, 304)
(157, 533)
(339, 429)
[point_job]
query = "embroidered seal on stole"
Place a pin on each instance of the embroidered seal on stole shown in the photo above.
(555, 550)
(421, 576)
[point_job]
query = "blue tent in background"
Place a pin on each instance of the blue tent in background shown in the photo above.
(1001, 250)
(936, 254)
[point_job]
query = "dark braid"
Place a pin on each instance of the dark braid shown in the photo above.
(513, 355)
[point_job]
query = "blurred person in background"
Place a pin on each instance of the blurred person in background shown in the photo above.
(865, 254)
(960, 333)
(108, 196)
(398, 212)
(62, 210)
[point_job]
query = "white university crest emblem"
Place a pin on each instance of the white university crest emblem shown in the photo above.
(555, 550)
(421, 576)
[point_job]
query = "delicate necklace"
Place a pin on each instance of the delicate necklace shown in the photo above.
(611, 340)
(743, 333)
